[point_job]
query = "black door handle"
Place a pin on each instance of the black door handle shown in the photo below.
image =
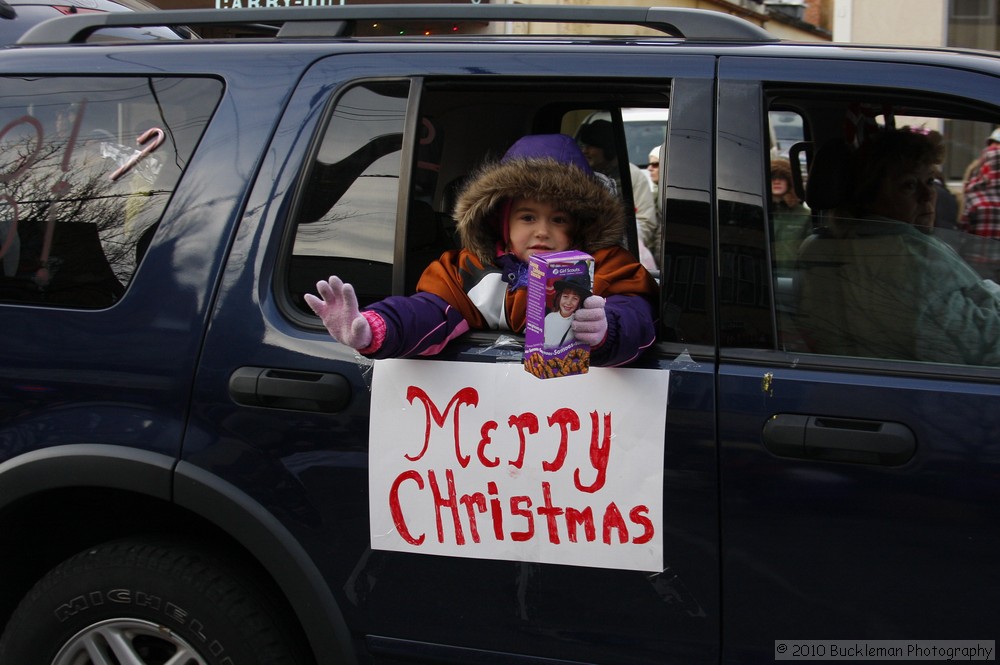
(289, 389)
(839, 439)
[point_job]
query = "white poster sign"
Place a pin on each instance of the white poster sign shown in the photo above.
(484, 460)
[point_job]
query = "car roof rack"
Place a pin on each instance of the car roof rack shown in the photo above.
(333, 21)
(6, 11)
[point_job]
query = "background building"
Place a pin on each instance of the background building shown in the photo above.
(809, 20)
(955, 23)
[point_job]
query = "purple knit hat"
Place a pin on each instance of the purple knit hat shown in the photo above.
(559, 147)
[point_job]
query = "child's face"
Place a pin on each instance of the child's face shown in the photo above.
(537, 227)
(569, 302)
(779, 187)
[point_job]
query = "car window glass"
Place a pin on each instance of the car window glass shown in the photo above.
(644, 131)
(887, 257)
(347, 219)
(86, 170)
(786, 130)
(376, 179)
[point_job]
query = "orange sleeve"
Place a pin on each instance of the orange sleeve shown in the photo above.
(617, 272)
(446, 278)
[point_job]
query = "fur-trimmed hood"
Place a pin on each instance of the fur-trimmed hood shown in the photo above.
(782, 168)
(548, 172)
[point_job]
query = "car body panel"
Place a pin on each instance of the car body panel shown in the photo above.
(320, 483)
(29, 13)
(762, 540)
(844, 519)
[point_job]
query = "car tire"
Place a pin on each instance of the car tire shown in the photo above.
(149, 603)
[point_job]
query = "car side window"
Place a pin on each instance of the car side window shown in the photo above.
(353, 196)
(347, 221)
(882, 255)
(86, 170)
(643, 133)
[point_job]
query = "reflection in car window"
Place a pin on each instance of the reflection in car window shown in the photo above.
(883, 289)
(347, 220)
(786, 130)
(883, 273)
(84, 179)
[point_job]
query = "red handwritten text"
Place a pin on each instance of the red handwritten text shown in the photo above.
(467, 514)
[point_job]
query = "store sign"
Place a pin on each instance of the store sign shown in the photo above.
(258, 4)
(484, 460)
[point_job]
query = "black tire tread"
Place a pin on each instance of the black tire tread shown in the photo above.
(232, 594)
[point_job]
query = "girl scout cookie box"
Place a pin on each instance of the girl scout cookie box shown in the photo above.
(558, 283)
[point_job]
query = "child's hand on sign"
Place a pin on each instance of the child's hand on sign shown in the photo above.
(590, 323)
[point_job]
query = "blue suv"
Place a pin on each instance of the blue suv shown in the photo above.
(193, 471)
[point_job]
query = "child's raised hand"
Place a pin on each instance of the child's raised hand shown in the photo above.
(337, 307)
(590, 323)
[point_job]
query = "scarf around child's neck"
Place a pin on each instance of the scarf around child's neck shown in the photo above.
(513, 271)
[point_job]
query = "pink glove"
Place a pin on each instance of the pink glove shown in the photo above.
(590, 323)
(337, 307)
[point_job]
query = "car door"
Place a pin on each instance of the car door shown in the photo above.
(77, 217)
(859, 487)
(285, 410)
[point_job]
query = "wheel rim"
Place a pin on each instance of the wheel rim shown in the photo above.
(127, 642)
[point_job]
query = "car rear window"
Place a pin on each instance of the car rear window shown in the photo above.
(87, 166)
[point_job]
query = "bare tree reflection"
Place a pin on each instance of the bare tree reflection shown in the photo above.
(74, 225)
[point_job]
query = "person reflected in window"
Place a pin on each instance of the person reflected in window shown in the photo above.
(655, 171)
(878, 286)
(597, 141)
(981, 204)
(895, 172)
(790, 216)
(944, 215)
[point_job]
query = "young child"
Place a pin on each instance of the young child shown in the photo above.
(541, 197)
